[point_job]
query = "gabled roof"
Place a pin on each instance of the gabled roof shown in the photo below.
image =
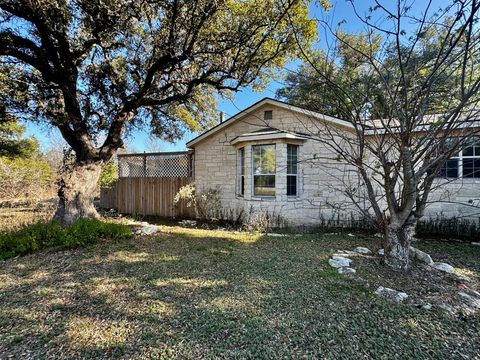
(257, 105)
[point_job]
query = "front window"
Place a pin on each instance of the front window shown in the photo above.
(466, 164)
(264, 168)
(292, 169)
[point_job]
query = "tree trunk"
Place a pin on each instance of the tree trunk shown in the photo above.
(397, 242)
(76, 193)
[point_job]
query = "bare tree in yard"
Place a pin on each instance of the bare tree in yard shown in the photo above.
(96, 69)
(410, 87)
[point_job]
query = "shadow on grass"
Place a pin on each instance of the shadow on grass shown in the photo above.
(204, 294)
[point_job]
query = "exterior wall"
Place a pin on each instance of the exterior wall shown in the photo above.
(458, 198)
(320, 176)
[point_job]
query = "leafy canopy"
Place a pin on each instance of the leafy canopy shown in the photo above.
(96, 69)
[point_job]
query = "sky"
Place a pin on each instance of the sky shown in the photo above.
(139, 140)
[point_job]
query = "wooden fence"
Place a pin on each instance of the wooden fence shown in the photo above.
(151, 196)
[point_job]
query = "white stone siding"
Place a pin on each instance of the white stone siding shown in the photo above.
(320, 175)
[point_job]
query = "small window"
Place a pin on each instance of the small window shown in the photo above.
(268, 115)
(264, 168)
(241, 172)
(292, 169)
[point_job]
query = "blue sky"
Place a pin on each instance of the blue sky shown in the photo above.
(342, 11)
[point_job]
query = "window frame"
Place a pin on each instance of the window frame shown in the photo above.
(460, 157)
(252, 151)
(297, 148)
(241, 172)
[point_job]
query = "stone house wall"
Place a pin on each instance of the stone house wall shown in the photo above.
(322, 177)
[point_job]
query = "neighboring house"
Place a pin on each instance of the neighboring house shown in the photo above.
(265, 160)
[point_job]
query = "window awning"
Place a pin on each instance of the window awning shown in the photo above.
(268, 134)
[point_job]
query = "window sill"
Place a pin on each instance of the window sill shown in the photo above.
(263, 198)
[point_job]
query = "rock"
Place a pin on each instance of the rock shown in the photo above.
(351, 235)
(420, 256)
(381, 252)
(448, 308)
(147, 230)
(470, 300)
(188, 223)
(391, 294)
(443, 267)
(427, 306)
(346, 270)
(344, 253)
(339, 261)
(476, 243)
(362, 250)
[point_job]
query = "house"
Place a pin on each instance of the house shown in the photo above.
(264, 160)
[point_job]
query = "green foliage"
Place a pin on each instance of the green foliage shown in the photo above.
(24, 177)
(109, 175)
(159, 64)
(43, 235)
(12, 142)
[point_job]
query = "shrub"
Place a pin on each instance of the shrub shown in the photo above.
(449, 228)
(207, 204)
(108, 176)
(43, 235)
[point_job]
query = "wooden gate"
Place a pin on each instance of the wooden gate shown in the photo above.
(147, 196)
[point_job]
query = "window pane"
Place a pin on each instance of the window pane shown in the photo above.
(263, 159)
(264, 185)
(468, 151)
(476, 170)
(292, 151)
(449, 169)
(468, 167)
(477, 150)
(291, 185)
(268, 115)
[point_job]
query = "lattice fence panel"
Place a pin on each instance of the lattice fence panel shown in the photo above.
(156, 165)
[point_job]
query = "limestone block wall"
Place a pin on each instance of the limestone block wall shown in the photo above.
(321, 176)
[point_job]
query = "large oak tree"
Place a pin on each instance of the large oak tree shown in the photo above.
(95, 69)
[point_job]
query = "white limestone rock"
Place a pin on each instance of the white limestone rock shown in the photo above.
(427, 306)
(470, 300)
(339, 261)
(147, 230)
(346, 270)
(188, 223)
(362, 250)
(391, 294)
(443, 267)
(420, 256)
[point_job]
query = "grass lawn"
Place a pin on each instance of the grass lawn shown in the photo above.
(187, 293)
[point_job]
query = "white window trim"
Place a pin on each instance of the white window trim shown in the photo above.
(296, 174)
(240, 172)
(460, 158)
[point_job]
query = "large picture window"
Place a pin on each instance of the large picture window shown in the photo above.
(292, 169)
(264, 168)
(466, 164)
